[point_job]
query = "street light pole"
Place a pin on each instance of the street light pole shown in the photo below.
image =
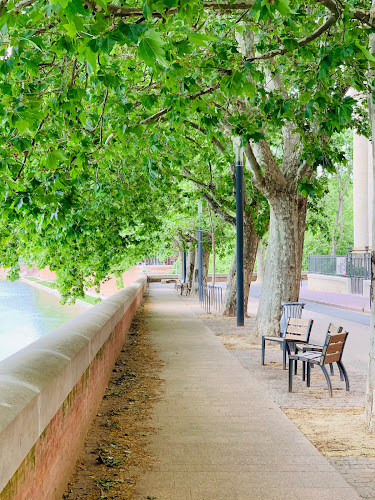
(239, 231)
(184, 266)
(200, 254)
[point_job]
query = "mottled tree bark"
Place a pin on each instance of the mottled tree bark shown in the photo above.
(261, 262)
(206, 260)
(284, 260)
(190, 258)
(180, 264)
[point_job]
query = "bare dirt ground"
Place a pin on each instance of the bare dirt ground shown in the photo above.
(115, 448)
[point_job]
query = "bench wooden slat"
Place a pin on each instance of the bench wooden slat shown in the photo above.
(333, 329)
(338, 337)
(298, 321)
(332, 358)
(337, 347)
(296, 329)
(295, 336)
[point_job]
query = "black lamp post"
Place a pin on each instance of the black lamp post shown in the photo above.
(239, 248)
(200, 254)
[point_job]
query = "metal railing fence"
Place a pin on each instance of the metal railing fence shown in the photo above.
(351, 265)
(327, 264)
(211, 297)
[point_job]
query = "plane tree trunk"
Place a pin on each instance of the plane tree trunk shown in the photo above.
(261, 262)
(279, 184)
(190, 259)
(284, 260)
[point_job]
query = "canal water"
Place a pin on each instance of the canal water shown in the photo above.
(27, 313)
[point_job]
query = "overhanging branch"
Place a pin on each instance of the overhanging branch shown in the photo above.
(302, 42)
(215, 140)
(164, 111)
(124, 12)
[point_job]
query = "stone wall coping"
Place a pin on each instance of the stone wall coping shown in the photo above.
(328, 277)
(35, 381)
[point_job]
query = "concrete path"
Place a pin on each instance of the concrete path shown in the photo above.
(219, 436)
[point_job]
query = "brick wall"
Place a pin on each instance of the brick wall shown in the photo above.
(50, 392)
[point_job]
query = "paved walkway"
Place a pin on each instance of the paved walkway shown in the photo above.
(219, 436)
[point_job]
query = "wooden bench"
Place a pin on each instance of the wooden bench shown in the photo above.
(182, 287)
(331, 352)
(297, 330)
(331, 330)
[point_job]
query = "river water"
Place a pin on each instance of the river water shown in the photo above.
(27, 313)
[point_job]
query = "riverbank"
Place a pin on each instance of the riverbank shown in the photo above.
(49, 287)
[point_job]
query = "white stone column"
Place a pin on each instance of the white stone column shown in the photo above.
(360, 193)
(370, 192)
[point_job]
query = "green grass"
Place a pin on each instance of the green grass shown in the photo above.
(91, 300)
(52, 284)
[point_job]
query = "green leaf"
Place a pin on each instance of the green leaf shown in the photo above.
(151, 48)
(199, 39)
(282, 6)
(365, 52)
(71, 29)
(148, 100)
(22, 125)
(309, 110)
(102, 4)
(132, 31)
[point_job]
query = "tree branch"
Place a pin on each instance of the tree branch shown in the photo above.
(254, 165)
(302, 42)
(213, 202)
(361, 14)
(303, 171)
(73, 73)
(157, 115)
(209, 195)
(215, 140)
(164, 111)
(2, 6)
(102, 113)
(231, 219)
(119, 11)
(26, 154)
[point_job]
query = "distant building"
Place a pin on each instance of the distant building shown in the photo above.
(362, 193)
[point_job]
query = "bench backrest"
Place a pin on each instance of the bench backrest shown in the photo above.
(298, 330)
(333, 347)
(332, 329)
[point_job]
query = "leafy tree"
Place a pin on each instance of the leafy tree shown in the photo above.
(87, 84)
(321, 223)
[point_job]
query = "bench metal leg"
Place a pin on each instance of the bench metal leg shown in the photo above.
(284, 355)
(340, 371)
(303, 371)
(345, 375)
(308, 378)
(331, 368)
(327, 379)
(291, 361)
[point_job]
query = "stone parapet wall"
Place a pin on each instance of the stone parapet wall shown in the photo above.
(50, 392)
(336, 284)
